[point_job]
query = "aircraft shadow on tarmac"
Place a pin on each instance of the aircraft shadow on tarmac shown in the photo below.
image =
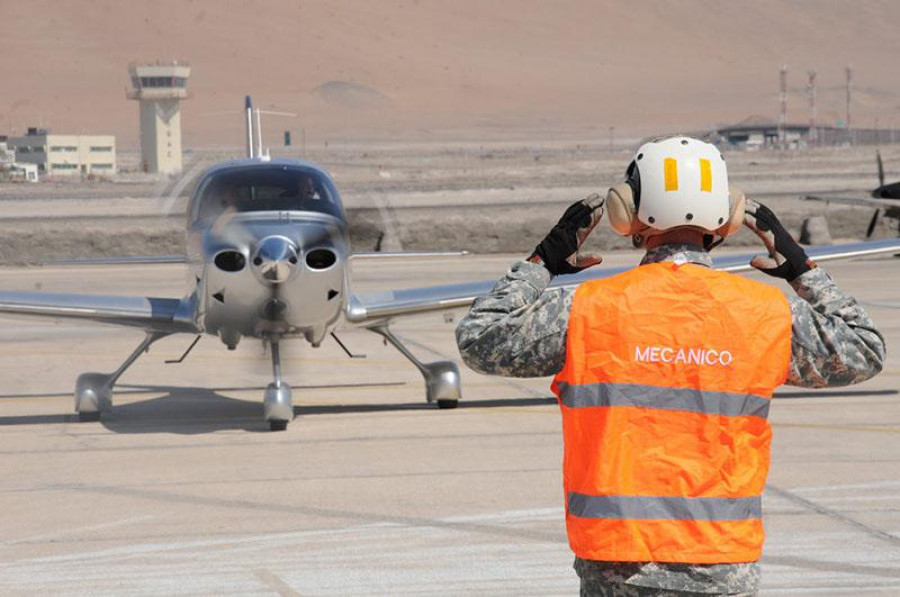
(191, 410)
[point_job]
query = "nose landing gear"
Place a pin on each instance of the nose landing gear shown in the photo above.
(278, 404)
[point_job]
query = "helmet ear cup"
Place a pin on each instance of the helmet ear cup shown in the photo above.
(621, 211)
(737, 201)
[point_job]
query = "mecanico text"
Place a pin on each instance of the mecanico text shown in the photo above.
(688, 356)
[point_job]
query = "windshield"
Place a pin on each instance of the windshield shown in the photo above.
(266, 188)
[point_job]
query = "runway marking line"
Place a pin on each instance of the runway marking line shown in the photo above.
(817, 508)
(893, 430)
(873, 485)
(93, 527)
(310, 479)
(275, 583)
(478, 523)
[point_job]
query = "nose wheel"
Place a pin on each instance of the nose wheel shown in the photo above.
(278, 403)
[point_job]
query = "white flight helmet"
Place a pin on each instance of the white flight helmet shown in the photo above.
(673, 182)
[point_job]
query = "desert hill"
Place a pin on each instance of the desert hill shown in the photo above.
(429, 68)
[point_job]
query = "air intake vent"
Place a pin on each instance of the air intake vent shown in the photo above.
(320, 258)
(230, 261)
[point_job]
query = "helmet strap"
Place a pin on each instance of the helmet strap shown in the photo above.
(710, 241)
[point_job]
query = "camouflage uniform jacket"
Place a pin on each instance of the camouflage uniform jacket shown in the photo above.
(519, 330)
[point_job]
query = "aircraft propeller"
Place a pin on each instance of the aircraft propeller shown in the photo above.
(872, 223)
(876, 193)
(235, 234)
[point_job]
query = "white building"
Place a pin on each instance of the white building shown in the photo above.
(10, 170)
(66, 155)
(26, 172)
(7, 155)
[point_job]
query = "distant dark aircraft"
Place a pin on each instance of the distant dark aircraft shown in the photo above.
(885, 199)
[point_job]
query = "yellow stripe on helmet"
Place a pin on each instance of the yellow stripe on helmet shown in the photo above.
(670, 167)
(705, 176)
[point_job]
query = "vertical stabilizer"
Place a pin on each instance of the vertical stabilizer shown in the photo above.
(248, 109)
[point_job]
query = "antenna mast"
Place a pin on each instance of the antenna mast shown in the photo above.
(248, 109)
(849, 72)
(782, 117)
(259, 147)
(811, 89)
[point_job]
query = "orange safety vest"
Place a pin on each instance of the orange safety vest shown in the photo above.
(665, 395)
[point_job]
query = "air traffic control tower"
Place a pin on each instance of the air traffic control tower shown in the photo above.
(160, 88)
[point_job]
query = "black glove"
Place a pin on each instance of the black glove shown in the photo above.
(558, 252)
(786, 258)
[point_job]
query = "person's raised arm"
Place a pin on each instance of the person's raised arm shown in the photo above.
(833, 340)
(519, 329)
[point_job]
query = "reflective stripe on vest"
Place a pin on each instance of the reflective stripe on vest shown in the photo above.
(686, 399)
(663, 507)
(665, 397)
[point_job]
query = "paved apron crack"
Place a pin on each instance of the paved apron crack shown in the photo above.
(834, 514)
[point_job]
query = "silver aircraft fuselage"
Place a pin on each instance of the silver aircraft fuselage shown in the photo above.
(267, 251)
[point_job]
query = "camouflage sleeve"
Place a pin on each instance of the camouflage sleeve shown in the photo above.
(519, 329)
(834, 342)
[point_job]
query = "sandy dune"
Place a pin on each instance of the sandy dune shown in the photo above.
(467, 68)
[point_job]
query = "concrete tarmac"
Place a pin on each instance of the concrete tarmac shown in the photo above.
(181, 490)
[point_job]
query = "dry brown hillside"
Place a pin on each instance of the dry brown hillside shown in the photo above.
(358, 68)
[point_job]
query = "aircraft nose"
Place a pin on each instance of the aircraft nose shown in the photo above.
(275, 259)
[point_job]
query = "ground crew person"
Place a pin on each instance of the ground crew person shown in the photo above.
(665, 372)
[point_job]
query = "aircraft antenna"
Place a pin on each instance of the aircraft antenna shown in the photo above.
(260, 151)
(813, 109)
(248, 109)
(259, 146)
(849, 73)
(782, 117)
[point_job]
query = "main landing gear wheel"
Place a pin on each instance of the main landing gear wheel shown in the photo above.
(278, 425)
(442, 384)
(93, 391)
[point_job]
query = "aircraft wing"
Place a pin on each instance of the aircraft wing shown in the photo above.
(153, 314)
(861, 201)
(369, 309)
(119, 260)
(388, 255)
(168, 259)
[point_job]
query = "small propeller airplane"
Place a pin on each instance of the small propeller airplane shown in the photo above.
(885, 198)
(269, 258)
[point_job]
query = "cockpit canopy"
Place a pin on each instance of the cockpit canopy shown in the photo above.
(265, 187)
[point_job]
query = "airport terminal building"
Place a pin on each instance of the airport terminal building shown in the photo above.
(66, 155)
